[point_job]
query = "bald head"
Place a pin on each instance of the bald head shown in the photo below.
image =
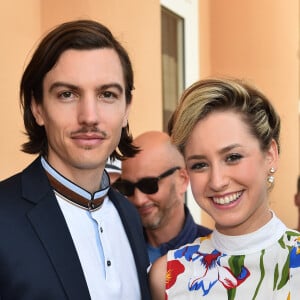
(165, 207)
(157, 153)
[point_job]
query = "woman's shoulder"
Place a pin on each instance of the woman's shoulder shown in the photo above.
(157, 278)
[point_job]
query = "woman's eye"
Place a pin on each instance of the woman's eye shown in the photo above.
(198, 166)
(233, 157)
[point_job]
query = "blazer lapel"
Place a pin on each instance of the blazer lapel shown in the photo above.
(51, 228)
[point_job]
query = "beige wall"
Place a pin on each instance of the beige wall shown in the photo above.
(256, 40)
(19, 29)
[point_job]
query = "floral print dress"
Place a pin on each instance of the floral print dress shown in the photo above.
(263, 265)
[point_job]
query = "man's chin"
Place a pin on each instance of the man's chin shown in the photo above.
(151, 225)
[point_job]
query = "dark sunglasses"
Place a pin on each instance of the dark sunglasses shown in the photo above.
(147, 185)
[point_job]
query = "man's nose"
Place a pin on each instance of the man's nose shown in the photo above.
(138, 198)
(88, 110)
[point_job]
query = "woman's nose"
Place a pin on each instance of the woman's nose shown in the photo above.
(218, 180)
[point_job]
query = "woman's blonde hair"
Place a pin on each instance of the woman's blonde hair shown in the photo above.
(210, 95)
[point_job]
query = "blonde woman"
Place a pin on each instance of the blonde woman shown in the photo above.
(228, 133)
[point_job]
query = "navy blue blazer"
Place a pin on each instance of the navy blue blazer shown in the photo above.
(38, 260)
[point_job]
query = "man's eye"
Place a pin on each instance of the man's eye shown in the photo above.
(66, 95)
(233, 157)
(108, 94)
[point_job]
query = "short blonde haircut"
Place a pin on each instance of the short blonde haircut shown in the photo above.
(210, 95)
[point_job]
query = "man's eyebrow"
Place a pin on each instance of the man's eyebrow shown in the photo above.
(111, 85)
(59, 84)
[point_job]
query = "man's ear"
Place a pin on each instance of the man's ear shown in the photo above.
(125, 118)
(37, 112)
(183, 180)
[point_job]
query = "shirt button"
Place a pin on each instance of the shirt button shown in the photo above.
(101, 229)
(108, 263)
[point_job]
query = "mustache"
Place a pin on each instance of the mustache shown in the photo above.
(90, 129)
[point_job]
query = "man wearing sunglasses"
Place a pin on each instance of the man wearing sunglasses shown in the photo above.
(155, 181)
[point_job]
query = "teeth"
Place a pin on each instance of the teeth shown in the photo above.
(227, 199)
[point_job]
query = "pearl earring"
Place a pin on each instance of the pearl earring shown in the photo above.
(271, 177)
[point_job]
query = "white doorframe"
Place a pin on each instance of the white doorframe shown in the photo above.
(188, 10)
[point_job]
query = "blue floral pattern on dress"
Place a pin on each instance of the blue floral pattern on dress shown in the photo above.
(199, 270)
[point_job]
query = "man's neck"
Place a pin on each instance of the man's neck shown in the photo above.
(88, 180)
(166, 232)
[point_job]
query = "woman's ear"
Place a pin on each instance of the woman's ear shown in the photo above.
(37, 112)
(272, 155)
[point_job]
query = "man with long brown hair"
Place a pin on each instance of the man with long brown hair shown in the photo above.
(65, 234)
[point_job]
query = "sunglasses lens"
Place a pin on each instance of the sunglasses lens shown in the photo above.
(124, 187)
(148, 185)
